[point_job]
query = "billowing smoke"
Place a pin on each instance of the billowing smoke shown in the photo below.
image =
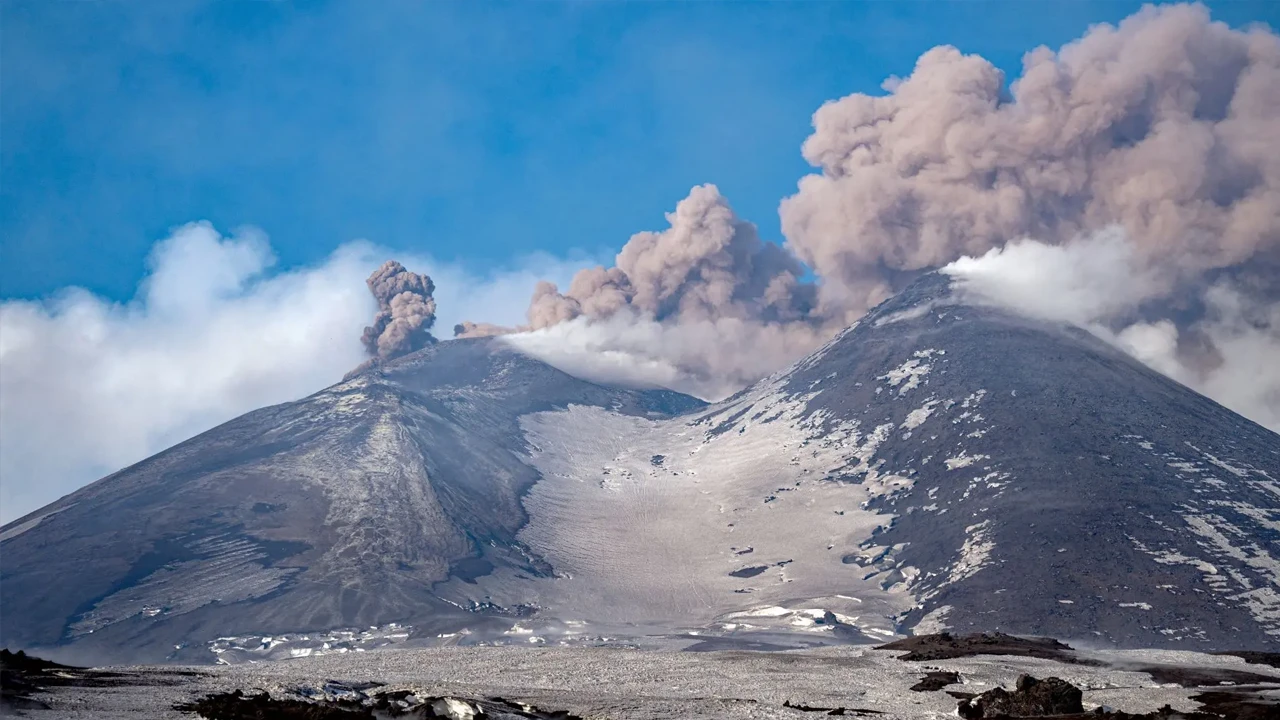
(406, 312)
(1162, 128)
(710, 358)
(709, 264)
(1165, 125)
(705, 306)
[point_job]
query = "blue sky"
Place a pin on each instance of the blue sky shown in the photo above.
(472, 132)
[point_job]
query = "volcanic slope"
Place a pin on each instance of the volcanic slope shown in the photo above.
(936, 465)
(340, 510)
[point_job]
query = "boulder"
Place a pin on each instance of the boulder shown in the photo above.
(1030, 698)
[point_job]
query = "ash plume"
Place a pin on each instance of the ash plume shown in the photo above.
(704, 305)
(708, 265)
(1160, 130)
(406, 312)
(1164, 125)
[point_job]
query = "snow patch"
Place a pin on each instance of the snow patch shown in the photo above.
(933, 621)
(975, 554)
(235, 649)
(964, 460)
(916, 417)
(909, 374)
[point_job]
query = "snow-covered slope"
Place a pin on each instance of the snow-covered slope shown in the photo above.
(935, 465)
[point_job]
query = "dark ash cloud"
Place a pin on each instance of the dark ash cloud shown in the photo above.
(406, 312)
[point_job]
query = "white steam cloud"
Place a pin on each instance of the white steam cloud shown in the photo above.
(89, 386)
(1094, 279)
(632, 349)
(1230, 353)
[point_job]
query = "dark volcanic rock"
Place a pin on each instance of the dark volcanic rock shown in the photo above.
(936, 680)
(857, 712)
(945, 646)
(1236, 705)
(24, 679)
(1062, 700)
(1191, 676)
(1030, 698)
(20, 679)
(357, 705)
(1256, 658)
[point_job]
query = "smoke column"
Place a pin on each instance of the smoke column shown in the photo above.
(406, 312)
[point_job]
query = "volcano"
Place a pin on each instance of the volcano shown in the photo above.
(340, 510)
(937, 465)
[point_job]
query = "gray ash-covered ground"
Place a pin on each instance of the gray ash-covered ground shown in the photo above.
(617, 684)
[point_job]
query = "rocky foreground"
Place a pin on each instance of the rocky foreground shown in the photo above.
(975, 676)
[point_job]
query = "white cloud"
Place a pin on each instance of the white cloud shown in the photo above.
(88, 386)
